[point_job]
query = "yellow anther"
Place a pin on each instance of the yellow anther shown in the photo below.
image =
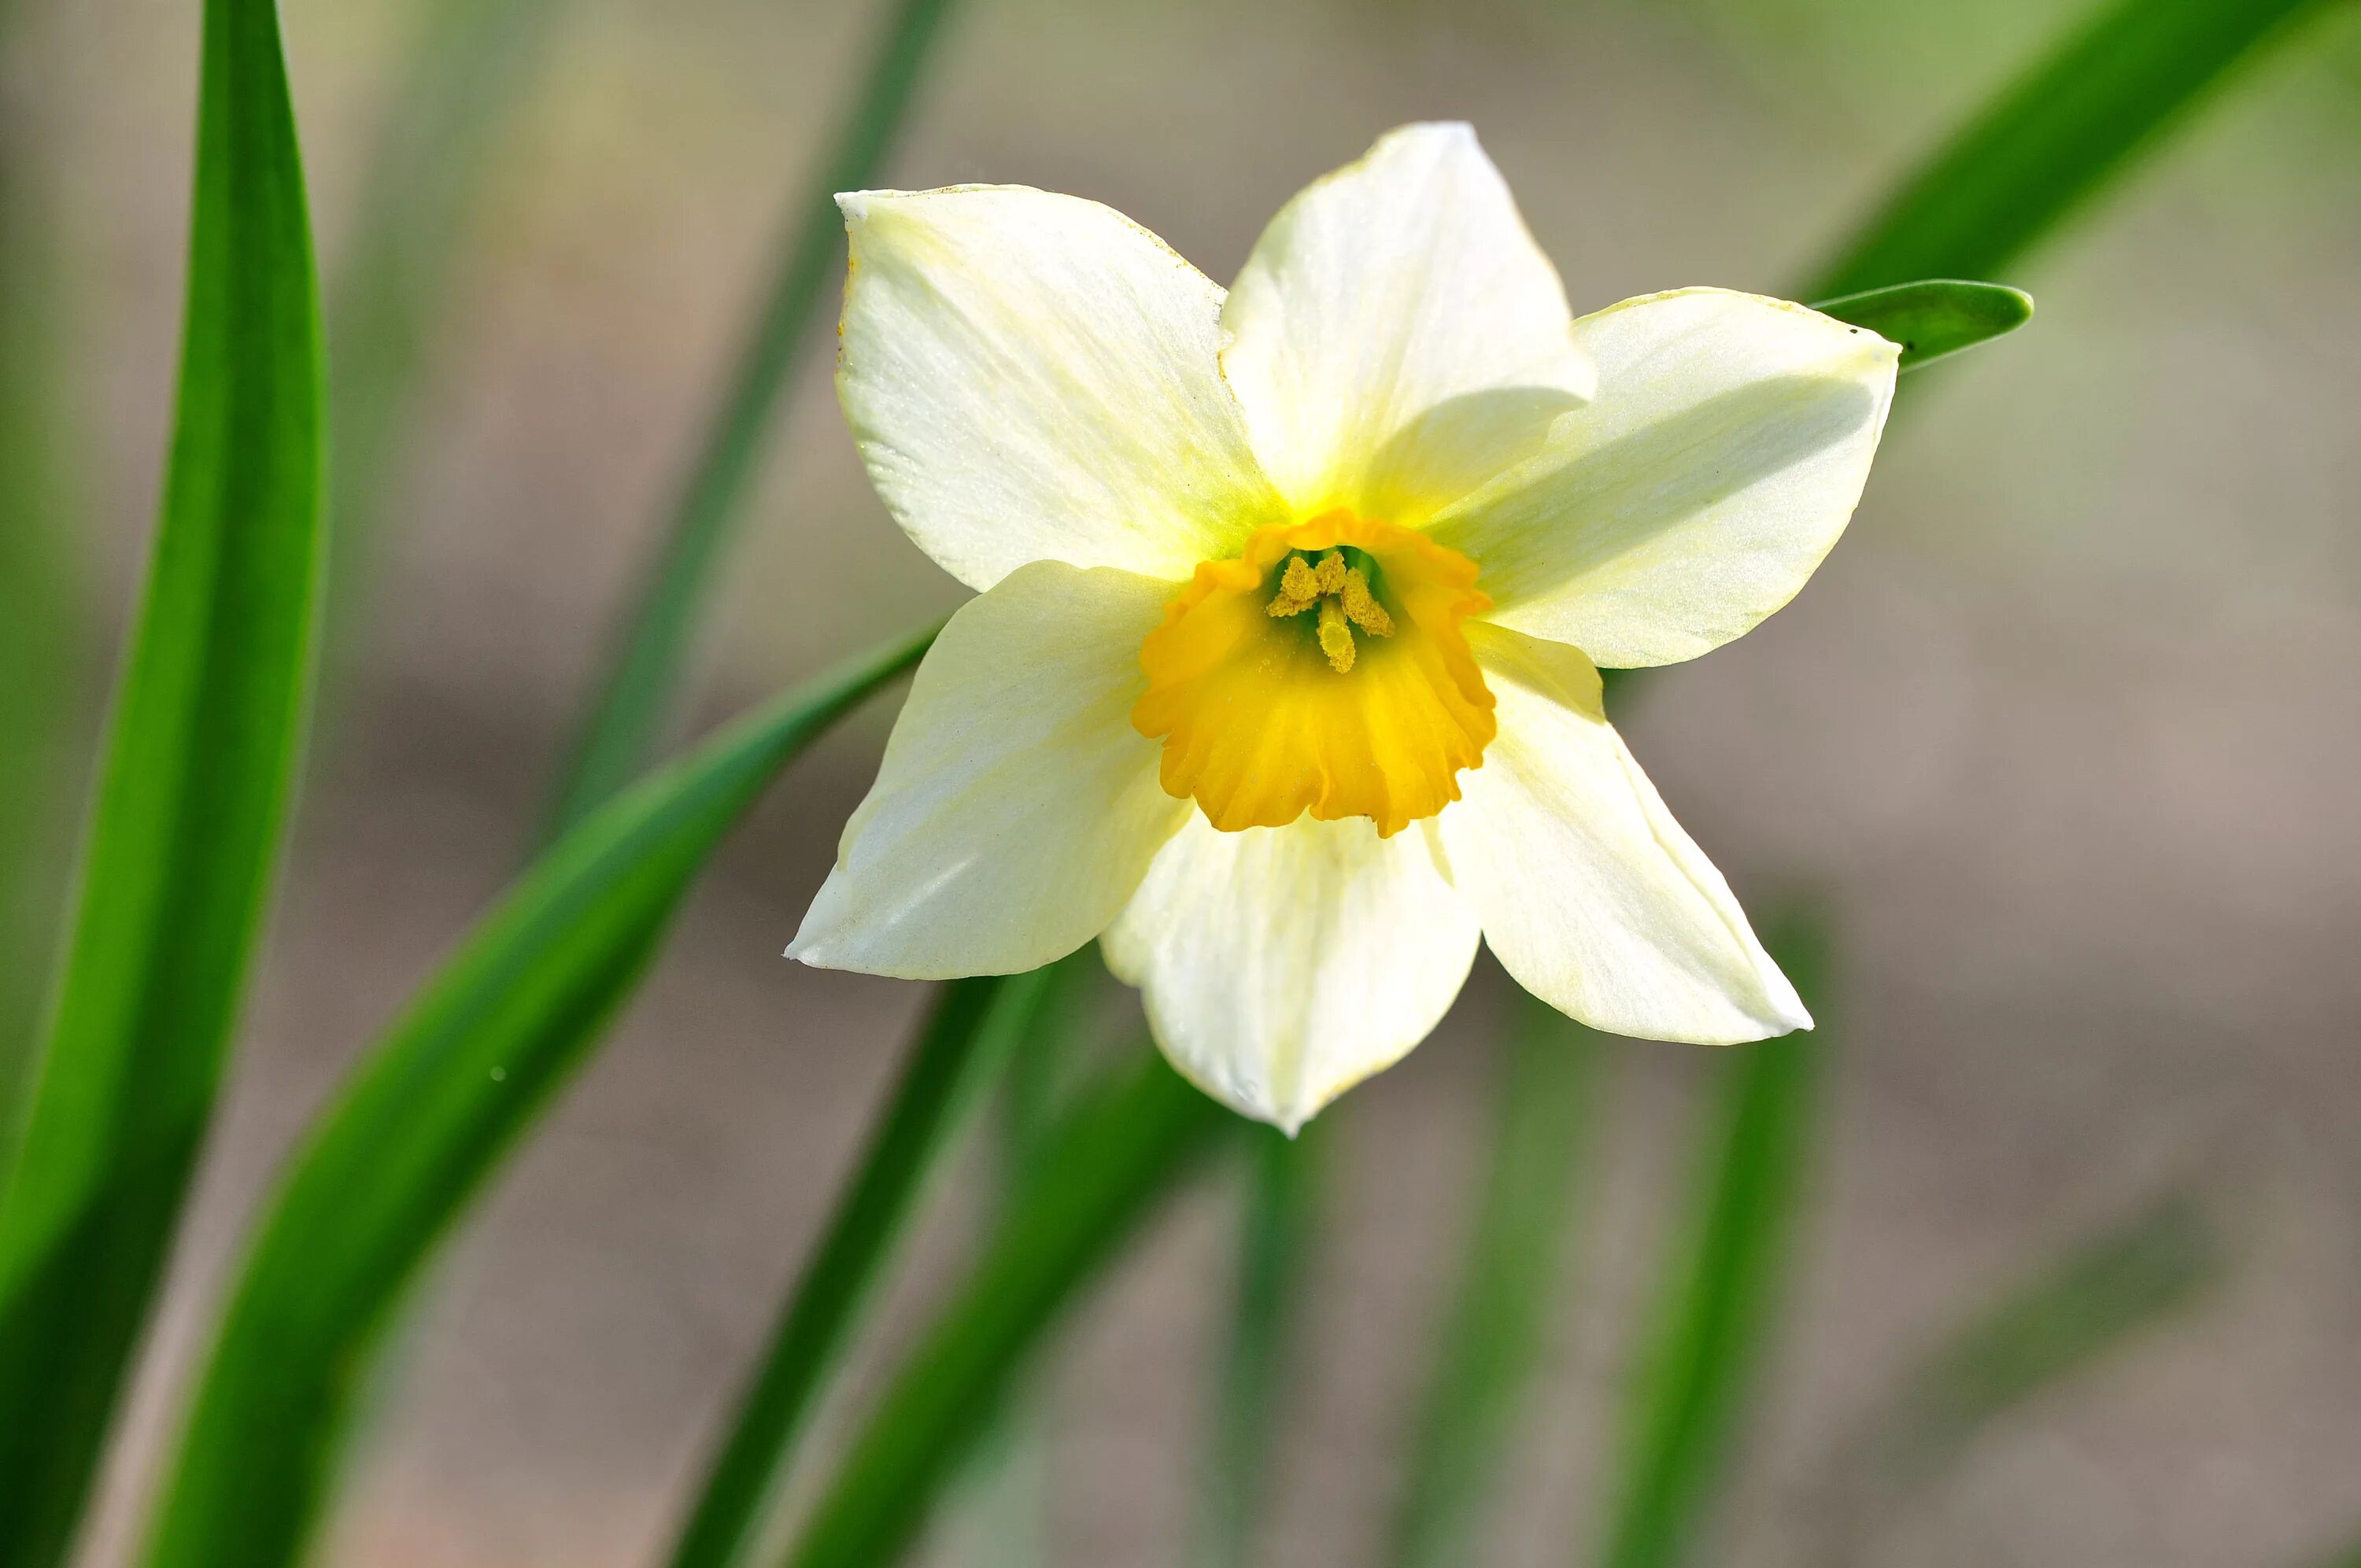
(1298, 588)
(1362, 608)
(1335, 637)
(1331, 576)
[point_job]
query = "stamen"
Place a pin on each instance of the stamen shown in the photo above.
(1335, 637)
(1362, 608)
(1331, 576)
(1298, 588)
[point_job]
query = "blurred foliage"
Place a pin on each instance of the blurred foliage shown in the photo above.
(1711, 1326)
(2074, 1311)
(1276, 1244)
(633, 702)
(186, 833)
(2008, 177)
(384, 1171)
(468, 74)
(40, 601)
(978, 1026)
(1496, 1331)
(1106, 1168)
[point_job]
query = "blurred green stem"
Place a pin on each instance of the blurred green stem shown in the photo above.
(975, 1030)
(2073, 1314)
(627, 714)
(40, 645)
(1495, 1328)
(1281, 1209)
(1720, 1299)
(468, 74)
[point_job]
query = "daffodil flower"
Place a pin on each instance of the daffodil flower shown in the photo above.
(1282, 677)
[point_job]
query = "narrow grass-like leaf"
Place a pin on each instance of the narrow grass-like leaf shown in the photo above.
(1713, 1321)
(2077, 1310)
(1278, 1218)
(1934, 317)
(1104, 1171)
(974, 1030)
(2072, 121)
(40, 642)
(384, 1171)
(1495, 1330)
(186, 833)
(627, 714)
(468, 71)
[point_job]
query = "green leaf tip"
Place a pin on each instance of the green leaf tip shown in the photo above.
(1935, 317)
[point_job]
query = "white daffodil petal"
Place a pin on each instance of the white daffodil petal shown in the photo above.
(1283, 965)
(1695, 494)
(1399, 338)
(1033, 377)
(1016, 809)
(1589, 892)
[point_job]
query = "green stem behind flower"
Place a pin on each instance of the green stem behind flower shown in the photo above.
(628, 714)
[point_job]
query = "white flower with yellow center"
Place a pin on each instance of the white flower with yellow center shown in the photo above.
(1283, 674)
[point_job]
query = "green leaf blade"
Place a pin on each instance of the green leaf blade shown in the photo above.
(1102, 1173)
(186, 833)
(1934, 318)
(423, 1121)
(2052, 139)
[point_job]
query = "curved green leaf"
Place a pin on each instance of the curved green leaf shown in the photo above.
(621, 730)
(968, 1043)
(426, 1118)
(1099, 1176)
(1935, 317)
(186, 833)
(2006, 178)
(1720, 1303)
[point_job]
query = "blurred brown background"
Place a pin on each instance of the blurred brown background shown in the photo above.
(2068, 725)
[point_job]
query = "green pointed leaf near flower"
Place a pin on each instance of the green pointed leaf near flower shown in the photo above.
(384, 1171)
(1276, 1235)
(1934, 318)
(185, 832)
(1099, 1175)
(1495, 1331)
(1710, 1325)
(975, 1030)
(627, 712)
(2054, 136)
